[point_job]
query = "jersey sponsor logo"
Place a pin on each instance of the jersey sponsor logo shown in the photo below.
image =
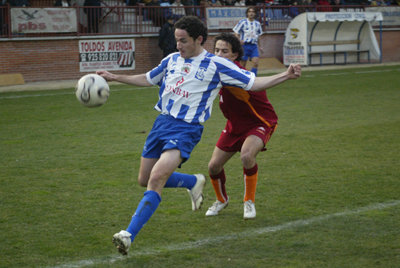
(200, 73)
(177, 91)
(180, 82)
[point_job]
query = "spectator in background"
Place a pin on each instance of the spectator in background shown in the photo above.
(336, 5)
(145, 10)
(166, 37)
(251, 2)
(158, 15)
(293, 9)
(162, 3)
(165, 10)
(229, 3)
(215, 3)
(190, 6)
(93, 14)
(132, 2)
(240, 3)
(62, 3)
(324, 6)
(3, 24)
(178, 9)
(380, 3)
(18, 3)
(201, 11)
(145, 2)
(310, 6)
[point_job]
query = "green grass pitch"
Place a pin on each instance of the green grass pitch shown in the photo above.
(328, 193)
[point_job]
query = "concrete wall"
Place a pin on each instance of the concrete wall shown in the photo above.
(46, 60)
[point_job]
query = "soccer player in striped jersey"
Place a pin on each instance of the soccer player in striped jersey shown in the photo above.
(251, 122)
(248, 31)
(189, 81)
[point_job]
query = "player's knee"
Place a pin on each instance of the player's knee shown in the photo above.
(213, 168)
(255, 61)
(143, 181)
(158, 177)
(248, 159)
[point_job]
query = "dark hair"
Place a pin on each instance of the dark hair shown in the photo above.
(193, 26)
(233, 40)
(248, 9)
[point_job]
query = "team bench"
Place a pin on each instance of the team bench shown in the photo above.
(335, 52)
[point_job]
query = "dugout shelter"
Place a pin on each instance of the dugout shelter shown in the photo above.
(318, 38)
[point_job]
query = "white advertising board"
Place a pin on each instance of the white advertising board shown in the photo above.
(43, 20)
(295, 46)
(106, 54)
(224, 17)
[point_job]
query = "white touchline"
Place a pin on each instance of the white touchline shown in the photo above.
(135, 88)
(219, 239)
(60, 93)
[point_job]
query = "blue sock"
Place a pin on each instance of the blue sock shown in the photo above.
(144, 211)
(254, 70)
(181, 180)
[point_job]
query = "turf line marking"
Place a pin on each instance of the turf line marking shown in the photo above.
(220, 239)
(59, 93)
(35, 95)
(373, 71)
(136, 88)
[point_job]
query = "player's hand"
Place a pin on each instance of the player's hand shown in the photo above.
(106, 75)
(294, 71)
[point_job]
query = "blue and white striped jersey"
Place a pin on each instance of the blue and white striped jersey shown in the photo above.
(249, 31)
(188, 87)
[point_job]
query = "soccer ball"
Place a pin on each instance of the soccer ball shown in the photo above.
(92, 90)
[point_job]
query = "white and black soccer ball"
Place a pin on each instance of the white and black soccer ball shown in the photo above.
(92, 90)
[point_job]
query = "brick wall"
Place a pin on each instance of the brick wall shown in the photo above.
(390, 46)
(46, 60)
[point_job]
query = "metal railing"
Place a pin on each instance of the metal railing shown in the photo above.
(140, 19)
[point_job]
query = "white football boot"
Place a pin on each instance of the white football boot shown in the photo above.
(122, 241)
(196, 193)
(249, 210)
(216, 208)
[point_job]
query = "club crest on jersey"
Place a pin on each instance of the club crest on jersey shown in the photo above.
(200, 73)
(185, 70)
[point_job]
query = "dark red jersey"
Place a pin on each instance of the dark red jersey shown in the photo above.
(246, 109)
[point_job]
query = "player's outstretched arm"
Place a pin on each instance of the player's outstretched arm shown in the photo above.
(262, 83)
(137, 80)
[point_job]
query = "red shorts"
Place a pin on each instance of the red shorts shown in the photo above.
(229, 142)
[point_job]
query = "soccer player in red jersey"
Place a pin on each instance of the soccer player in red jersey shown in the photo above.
(251, 122)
